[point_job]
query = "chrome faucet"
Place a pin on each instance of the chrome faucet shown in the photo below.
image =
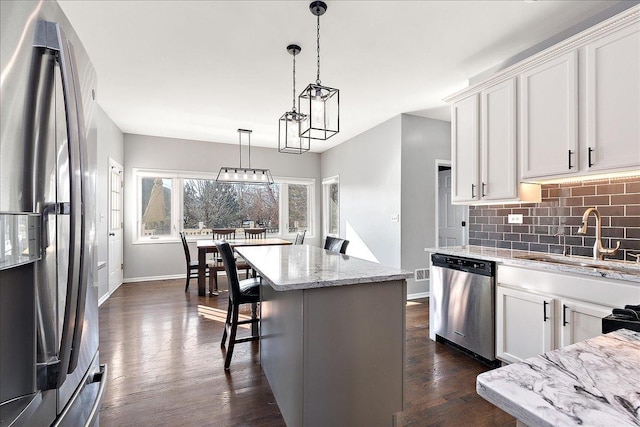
(598, 250)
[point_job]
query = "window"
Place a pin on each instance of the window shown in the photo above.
(169, 202)
(331, 206)
(207, 205)
(156, 206)
(115, 204)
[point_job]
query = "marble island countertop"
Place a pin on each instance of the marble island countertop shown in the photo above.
(305, 267)
(593, 383)
(621, 270)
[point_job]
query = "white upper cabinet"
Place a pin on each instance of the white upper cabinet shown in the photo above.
(498, 142)
(549, 117)
(465, 136)
(575, 113)
(484, 144)
(612, 74)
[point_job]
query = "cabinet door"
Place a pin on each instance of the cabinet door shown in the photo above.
(613, 100)
(524, 324)
(465, 139)
(498, 142)
(549, 118)
(580, 321)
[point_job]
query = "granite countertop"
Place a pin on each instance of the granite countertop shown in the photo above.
(624, 270)
(305, 267)
(594, 382)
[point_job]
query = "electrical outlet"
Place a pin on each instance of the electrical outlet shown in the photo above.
(515, 219)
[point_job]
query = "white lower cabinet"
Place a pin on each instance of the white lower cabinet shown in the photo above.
(524, 323)
(580, 321)
(538, 311)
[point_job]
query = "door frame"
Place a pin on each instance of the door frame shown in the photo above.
(438, 163)
(114, 164)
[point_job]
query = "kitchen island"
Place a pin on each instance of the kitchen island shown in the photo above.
(332, 335)
(591, 383)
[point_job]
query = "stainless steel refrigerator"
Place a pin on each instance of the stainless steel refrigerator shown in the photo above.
(49, 365)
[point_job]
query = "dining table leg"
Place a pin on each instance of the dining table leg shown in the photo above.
(202, 265)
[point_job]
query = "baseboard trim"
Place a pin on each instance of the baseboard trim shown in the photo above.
(106, 296)
(417, 295)
(151, 278)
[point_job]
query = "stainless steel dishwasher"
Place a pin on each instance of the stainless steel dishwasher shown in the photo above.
(464, 303)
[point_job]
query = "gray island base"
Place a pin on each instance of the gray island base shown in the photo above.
(332, 335)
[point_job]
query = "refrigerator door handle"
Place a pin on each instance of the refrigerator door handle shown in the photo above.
(102, 378)
(51, 37)
(84, 240)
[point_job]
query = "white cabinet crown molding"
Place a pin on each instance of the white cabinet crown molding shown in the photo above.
(628, 17)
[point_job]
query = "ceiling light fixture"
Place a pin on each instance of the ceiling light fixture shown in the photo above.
(289, 139)
(321, 104)
(244, 175)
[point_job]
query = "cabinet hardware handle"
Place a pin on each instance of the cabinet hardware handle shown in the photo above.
(483, 189)
(591, 150)
(473, 191)
(544, 311)
(570, 165)
(564, 315)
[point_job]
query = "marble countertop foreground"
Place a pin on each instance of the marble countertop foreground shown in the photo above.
(625, 270)
(304, 267)
(592, 383)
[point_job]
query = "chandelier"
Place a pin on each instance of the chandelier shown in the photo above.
(244, 175)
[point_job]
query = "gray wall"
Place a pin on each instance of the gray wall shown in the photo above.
(386, 171)
(110, 145)
(423, 141)
(147, 260)
(369, 170)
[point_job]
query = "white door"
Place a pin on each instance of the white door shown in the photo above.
(581, 321)
(451, 231)
(115, 225)
(498, 142)
(613, 100)
(524, 324)
(465, 146)
(549, 117)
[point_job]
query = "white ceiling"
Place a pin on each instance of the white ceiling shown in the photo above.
(202, 69)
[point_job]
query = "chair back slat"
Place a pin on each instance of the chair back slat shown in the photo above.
(224, 233)
(185, 246)
(255, 233)
(229, 262)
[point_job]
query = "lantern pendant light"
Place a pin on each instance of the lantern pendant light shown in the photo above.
(320, 104)
(244, 174)
(289, 138)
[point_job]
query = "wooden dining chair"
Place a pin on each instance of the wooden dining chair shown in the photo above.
(336, 244)
(192, 266)
(216, 264)
(255, 233)
(240, 292)
(224, 233)
(300, 237)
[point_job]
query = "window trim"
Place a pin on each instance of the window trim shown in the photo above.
(326, 183)
(177, 203)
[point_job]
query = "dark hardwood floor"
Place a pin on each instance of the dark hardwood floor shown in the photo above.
(162, 347)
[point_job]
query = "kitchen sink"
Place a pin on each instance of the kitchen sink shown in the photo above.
(581, 263)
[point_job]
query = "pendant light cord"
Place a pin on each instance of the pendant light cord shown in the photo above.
(318, 44)
(294, 83)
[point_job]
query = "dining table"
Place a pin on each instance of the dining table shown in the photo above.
(209, 246)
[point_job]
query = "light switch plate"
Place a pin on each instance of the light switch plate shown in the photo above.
(515, 219)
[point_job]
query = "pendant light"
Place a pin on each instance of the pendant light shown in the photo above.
(244, 175)
(289, 138)
(320, 104)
